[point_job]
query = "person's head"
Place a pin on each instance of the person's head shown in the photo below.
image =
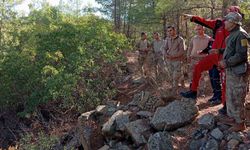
(199, 30)
(143, 35)
(232, 20)
(156, 35)
(171, 31)
(235, 9)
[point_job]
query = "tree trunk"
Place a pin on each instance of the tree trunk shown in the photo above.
(119, 21)
(1, 22)
(178, 22)
(164, 23)
(115, 14)
(212, 9)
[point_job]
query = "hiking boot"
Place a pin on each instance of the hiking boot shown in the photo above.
(223, 110)
(189, 94)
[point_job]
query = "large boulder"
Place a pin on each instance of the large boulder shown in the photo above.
(137, 129)
(174, 115)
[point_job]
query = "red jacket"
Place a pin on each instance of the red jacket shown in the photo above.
(218, 27)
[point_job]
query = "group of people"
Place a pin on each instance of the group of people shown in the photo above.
(226, 60)
(166, 52)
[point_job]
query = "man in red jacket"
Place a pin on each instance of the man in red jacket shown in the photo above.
(210, 62)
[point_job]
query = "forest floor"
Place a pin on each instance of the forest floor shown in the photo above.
(52, 120)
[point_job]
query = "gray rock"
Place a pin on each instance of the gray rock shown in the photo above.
(235, 135)
(197, 144)
(105, 147)
(217, 134)
(211, 144)
(232, 144)
(120, 146)
(122, 120)
(207, 121)
(199, 133)
(111, 103)
(160, 141)
(136, 129)
(223, 127)
(182, 131)
(144, 114)
(109, 127)
(105, 110)
(174, 115)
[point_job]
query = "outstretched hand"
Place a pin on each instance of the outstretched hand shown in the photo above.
(187, 16)
(222, 64)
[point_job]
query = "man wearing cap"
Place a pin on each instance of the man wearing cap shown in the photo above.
(211, 61)
(235, 64)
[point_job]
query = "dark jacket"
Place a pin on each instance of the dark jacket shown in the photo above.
(235, 54)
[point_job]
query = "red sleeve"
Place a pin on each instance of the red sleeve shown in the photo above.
(204, 22)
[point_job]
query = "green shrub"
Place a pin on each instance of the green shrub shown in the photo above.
(60, 59)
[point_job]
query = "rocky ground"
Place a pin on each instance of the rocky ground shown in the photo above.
(145, 114)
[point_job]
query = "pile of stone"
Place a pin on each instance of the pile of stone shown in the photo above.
(134, 126)
(213, 135)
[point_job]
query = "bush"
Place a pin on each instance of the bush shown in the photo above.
(60, 59)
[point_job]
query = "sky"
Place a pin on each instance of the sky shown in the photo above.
(24, 8)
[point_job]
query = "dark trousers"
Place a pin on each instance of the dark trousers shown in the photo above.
(214, 75)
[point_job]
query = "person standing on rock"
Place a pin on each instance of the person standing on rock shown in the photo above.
(158, 46)
(143, 47)
(194, 53)
(235, 62)
(174, 56)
